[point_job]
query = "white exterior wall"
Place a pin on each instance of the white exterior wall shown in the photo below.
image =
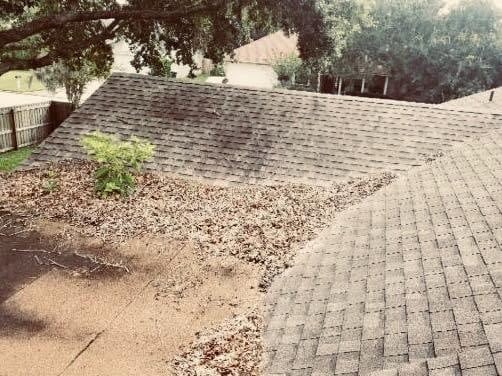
(254, 75)
(182, 70)
(122, 58)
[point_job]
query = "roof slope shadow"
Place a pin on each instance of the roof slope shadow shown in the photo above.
(410, 280)
(236, 134)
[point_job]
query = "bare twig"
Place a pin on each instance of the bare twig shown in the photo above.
(100, 262)
(52, 262)
(19, 232)
(96, 268)
(31, 250)
(7, 223)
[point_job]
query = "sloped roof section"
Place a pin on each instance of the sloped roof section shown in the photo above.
(234, 134)
(267, 49)
(409, 281)
(488, 101)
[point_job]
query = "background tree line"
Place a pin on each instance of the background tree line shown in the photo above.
(434, 51)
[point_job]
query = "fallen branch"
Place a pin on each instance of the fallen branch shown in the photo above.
(100, 262)
(96, 268)
(31, 250)
(19, 232)
(52, 262)
(7, 223)
(37, 259)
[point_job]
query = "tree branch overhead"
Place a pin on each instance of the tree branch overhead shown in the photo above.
(38, 25)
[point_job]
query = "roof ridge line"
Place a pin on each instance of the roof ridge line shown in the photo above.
(289, 92)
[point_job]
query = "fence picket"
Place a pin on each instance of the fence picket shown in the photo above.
(30, 124)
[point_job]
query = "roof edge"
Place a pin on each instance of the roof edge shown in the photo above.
(289, 92)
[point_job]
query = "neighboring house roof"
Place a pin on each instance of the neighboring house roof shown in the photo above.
(478, 102)
(408, 281)
(267, 49)
(236, 134)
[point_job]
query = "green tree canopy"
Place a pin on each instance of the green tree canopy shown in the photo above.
(38, 33)
(73, 80)
(433, 52)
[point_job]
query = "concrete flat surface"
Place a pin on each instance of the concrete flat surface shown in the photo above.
(57, 321)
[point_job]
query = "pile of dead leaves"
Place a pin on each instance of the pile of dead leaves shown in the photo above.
(233, 348)
(259, 224)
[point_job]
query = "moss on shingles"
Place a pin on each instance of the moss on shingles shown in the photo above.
(11, 159)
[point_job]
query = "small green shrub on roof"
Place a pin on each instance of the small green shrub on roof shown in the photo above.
(117, 160)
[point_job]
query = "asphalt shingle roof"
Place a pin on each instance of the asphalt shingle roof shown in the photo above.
(235, 134)
(478, 102)
(267, 50)
(408, 282)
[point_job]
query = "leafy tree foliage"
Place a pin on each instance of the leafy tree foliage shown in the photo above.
(293, 73)
(434, 53)
(341, 21)
(218, 70)
(286, 67)
(38, 33)
(74, 81)
(161, 67)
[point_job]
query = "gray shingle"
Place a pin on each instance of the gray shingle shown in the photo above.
(494, 334)
(435, 302)
(477, 357)
(234, 134)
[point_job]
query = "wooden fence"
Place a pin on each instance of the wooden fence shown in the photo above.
(30, 124)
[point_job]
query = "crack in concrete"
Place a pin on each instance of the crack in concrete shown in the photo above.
(114, 319)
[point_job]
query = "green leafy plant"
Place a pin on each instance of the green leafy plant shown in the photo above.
(161, 67)
(218, 71)
(287, 67)
(117, 161)
(49, 185)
